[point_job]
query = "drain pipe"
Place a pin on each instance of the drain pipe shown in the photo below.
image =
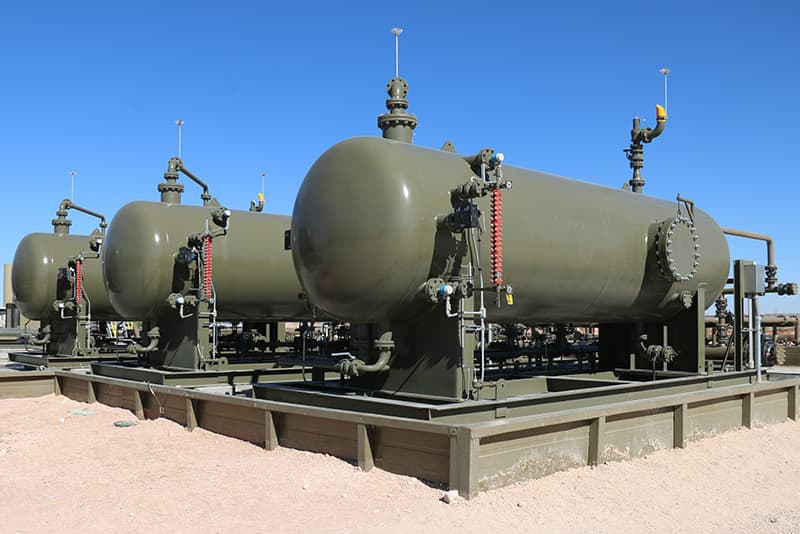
(153, 335)
(45, 339)
(358, 367)
(355, 367)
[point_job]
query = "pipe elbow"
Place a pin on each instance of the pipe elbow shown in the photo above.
(257, 206)
(351, 368)
(646, 135)
(173, 166)
(661, 122)
(153, 335)
(381, 365)
(655, 132)
(45, 339)
(355, 367)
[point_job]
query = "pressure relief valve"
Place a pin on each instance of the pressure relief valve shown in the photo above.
(635, 153)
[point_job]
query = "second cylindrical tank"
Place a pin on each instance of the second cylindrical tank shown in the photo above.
(368, 230)
(252, 272)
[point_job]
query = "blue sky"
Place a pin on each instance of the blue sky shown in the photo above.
(268, 86)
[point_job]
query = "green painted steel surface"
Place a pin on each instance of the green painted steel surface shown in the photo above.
(34, 276)
(20, 385)
(46, 361)
(492, 449)
(252, 273)
(367, 232)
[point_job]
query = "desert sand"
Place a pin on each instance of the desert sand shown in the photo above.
(67, 472)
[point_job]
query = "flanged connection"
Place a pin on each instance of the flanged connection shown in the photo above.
(61, 223)
(430, 290)
(397, 123)
(678, 249)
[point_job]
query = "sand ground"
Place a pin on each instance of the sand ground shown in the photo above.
(66, 472)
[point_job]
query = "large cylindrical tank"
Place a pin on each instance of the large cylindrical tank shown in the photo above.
(367, 232)
(34, 275)
(252, 272)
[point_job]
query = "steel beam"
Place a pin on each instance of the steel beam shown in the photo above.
(681, 426)
(366, 459)
(597, 432)
(271, 441)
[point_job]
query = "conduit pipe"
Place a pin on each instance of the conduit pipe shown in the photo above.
(770, 267)
(67, 204)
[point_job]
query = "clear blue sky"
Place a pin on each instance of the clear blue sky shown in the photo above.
(97, 87)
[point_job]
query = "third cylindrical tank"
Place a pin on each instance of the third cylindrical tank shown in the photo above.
(35, 275)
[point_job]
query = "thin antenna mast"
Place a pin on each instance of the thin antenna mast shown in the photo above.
(665, 72)
(397, 32)
(179, 122)
(263, 175)
(72, 189)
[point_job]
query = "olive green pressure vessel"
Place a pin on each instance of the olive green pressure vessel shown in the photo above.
(252, 273)
(34, 275)
(367, 232)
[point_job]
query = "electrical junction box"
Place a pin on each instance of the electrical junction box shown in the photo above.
(753, 279)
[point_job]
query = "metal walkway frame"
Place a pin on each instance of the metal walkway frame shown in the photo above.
(469, 457)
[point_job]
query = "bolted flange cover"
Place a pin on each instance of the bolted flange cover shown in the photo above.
(678, 249)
